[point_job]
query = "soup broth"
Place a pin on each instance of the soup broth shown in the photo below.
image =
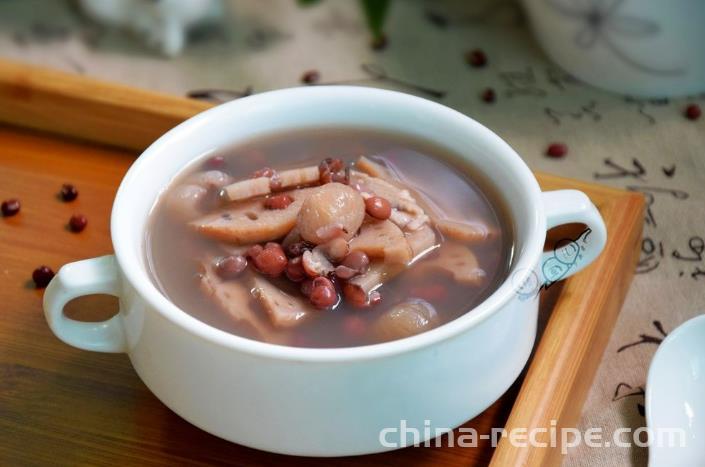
(434, 234)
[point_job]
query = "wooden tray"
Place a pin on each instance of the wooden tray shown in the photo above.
(67, 406)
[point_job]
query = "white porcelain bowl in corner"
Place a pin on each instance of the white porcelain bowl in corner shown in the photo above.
(675, 398)
(324, 402)
(644, 48)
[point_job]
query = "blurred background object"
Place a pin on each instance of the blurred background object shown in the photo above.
(162, 24)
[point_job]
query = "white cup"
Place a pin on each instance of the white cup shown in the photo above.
(324, 402)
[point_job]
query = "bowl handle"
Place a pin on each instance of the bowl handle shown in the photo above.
(571, 255)
(90, 276)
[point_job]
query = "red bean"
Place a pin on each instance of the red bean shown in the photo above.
(68, 192)
(693, 112)
(42, 276)
(378, 207)
(357, 261)
(230, 267)
(295, 270)
(278, 202)
(254, 251)
(323, 293)
(557, 150)
(488, 95)
(310, 77)
(77, 223)
(355, 295)
(476, 58)
(271, 261)
(10, 207)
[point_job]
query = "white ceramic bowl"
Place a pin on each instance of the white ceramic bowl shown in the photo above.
(675, 398)
(323, 402)
(645, 48)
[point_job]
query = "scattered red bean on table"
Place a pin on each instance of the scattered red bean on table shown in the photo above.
(557, 150)
(693, 112)
(10, 207)
(476, 58)
(488, 96)
(42, 276)
(77, 223)
(68, 192)
(310, 77)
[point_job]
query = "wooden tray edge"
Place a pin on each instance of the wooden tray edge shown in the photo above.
(88, 109)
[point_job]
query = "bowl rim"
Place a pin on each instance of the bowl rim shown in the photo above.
(138, 278)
